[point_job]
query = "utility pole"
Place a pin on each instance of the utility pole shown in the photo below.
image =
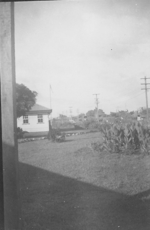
(97, 102)
(50, 94)
(50, 97)
(50, 115)
(70, 112)
(146, 89)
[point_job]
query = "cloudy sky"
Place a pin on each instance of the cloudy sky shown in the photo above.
(81, 48)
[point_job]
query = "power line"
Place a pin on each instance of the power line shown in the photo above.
(130, 98)
(146, 89)
(126, 91)
(136, 95)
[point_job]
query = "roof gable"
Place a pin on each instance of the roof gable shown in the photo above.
(39, 109)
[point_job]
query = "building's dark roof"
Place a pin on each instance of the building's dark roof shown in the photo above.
(36, 109)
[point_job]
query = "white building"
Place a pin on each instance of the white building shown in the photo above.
(36, 120)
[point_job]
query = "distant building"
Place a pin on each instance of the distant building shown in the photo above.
(72, 121)
(36, 120)
(139, 118)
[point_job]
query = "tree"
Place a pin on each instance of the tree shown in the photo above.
(113, 114)
(81, 115)
(101, 113)
(25, 99)
(90, 113)
(61, 116)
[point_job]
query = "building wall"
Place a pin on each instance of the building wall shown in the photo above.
(33, 125)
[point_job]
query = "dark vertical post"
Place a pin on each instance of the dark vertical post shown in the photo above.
(50, 129)
(1, 180)
(9, 141)
(146, 89)
(146, 100)
(96, 101)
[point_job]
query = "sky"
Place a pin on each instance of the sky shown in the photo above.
(82, 48)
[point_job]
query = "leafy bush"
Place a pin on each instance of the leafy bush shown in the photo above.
(56, 135)
(90, 124)
(20, 133)
(62, 125)
(124, 138)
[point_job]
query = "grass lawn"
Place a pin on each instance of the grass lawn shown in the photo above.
(68, 186)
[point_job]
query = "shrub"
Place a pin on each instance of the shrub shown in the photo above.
(124, 138)
(56, 135)
(90, 124)
(20, 133)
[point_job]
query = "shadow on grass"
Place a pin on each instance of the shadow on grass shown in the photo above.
(51, 201)
(80, 137)
(68, 140)
(143, 195)
(1, 184)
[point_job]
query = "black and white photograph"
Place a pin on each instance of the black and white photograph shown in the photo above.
(75, 115)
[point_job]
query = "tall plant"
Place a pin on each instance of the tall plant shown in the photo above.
(129, 138)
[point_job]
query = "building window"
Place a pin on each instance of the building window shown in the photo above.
(25, 120)
(40, 118)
